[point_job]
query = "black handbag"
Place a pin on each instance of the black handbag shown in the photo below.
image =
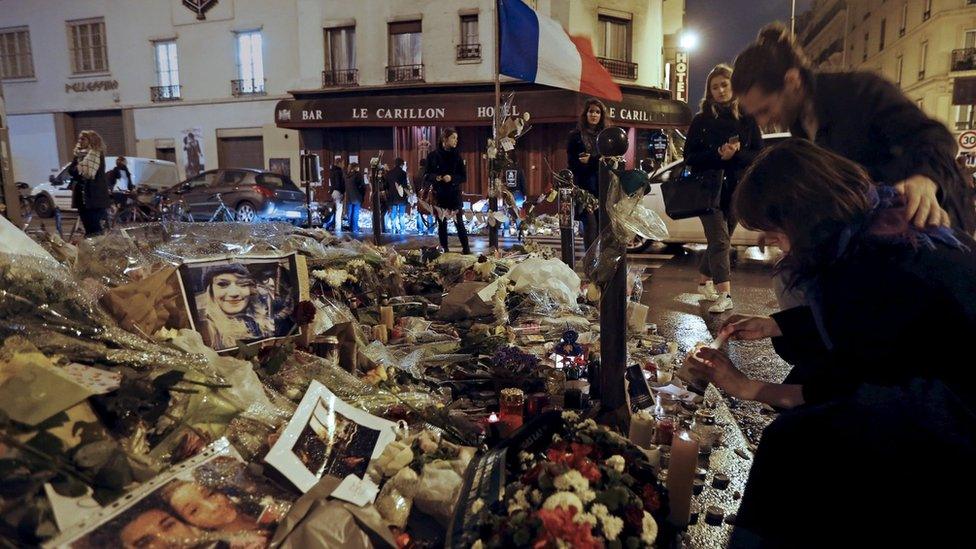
(693, 194)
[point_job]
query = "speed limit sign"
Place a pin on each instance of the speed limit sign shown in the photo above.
(967, 140)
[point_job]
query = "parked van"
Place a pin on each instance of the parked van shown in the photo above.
(146, 172)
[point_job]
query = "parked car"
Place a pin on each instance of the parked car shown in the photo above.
(690, 231)
(251, 195)
(146, 173)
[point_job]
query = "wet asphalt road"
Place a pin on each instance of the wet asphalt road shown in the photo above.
(680, 315)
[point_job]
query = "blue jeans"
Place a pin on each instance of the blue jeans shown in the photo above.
(353, 209)
(431, 223)
(397, 211)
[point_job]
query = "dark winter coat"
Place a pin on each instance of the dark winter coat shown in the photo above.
(395, 177)
(867, 119)
(585, 174)
(443, 162)
(90, 194)
(709, 132)
(337, 180)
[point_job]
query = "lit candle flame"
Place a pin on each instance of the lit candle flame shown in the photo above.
(493, 418)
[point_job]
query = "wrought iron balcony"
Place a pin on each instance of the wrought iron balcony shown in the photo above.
(340, 77)
(240, 88)
(619, 69)
(468, 51)
(165, 93)
(964, 59)
(405, 73)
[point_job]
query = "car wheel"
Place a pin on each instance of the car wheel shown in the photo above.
(639, 245)
(245, 212)
(44, 206)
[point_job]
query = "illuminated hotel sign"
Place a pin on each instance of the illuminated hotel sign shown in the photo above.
(681, 76)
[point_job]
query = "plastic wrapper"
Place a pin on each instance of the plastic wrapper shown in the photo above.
(438, 490)
(550, 276)
(15, 241)
(393, 506)
(635, 283)
(603, 256)
(328, 313)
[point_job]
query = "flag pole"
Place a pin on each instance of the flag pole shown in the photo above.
(493, 162)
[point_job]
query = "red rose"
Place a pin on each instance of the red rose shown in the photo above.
(588, 469)
(558, 525)
(650, 497)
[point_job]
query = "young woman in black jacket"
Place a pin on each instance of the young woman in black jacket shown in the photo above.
(886, 302)
(584, 161)
(90, 194)
(720, 138)
(445, 172)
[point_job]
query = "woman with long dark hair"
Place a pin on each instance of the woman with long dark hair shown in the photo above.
(720, 138)
(584, 160)
(446, 174)
(90, 194)
(883, 299)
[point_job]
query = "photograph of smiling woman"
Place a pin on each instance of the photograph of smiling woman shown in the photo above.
(240, 299)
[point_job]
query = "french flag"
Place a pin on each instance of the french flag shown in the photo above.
(535, 48)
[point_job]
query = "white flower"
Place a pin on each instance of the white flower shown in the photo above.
(587, 496)
(617, 463)
(570, 416)
(536, 497)
(648, 529)
(586, 518)
(477, 545)
(519, 502)
(525, 457)
(599, 510)
(563, 500)
(572, 480)
(612, 526)
(477, 505)
(334, 277)
(589, 425)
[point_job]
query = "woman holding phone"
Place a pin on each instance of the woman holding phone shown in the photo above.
(720, 138)
(584, 161)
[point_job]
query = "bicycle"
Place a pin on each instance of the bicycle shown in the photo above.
(223, 213)
(159, 209)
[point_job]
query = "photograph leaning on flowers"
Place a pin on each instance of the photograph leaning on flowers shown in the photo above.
(487, 274)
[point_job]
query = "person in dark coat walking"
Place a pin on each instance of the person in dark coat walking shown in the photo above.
(584, 161)
(862, 117)
(397, 191)
(884, 297)
(120, 181)
(357, 192)
(720, 138)
(446, 173)
(90, 194)
(337, 188)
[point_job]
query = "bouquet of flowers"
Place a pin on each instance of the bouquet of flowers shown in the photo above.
(587, 487)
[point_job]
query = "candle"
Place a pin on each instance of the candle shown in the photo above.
(386, 316)
(681, 476)
(494, 428)
(664, 430)
(642, 429)
(512, 405)
(380, 333)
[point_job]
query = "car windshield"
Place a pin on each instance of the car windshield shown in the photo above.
(157, 176)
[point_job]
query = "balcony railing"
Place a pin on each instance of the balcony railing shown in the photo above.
(964, 59)
(619, 69)
(468, 51)
(165, 93)
(405, 73)
(340, 77)
(240, 88)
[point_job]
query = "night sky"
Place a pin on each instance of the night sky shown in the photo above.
(726, 27)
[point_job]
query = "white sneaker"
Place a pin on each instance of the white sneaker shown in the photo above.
(707, 291)
(724, 303)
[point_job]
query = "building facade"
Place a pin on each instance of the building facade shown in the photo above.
(927, 47)
(146, 74)
(383, 78)
(163, 79)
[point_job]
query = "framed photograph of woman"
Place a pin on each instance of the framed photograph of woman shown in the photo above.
(243, 299)
(210, 500)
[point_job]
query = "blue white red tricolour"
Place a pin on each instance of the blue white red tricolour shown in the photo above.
(535, 48)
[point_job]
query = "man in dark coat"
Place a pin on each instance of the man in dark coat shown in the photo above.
(396, 191)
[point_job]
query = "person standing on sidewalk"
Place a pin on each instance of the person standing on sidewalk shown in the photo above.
(357, 190)
(397, 191)
(446, 173)
(720, 138)
(584, 161)
(337, 186)
(90, 194)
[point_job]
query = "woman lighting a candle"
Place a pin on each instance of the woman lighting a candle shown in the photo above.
(882, 299)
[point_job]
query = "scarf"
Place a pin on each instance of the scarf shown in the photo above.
(88, 162)
(885, 223)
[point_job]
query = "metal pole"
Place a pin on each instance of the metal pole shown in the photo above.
(493, 162)
(613, 301)
(567, 240)
(377, 214)
(793, 18)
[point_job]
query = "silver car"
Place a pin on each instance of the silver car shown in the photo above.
(249, 195)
